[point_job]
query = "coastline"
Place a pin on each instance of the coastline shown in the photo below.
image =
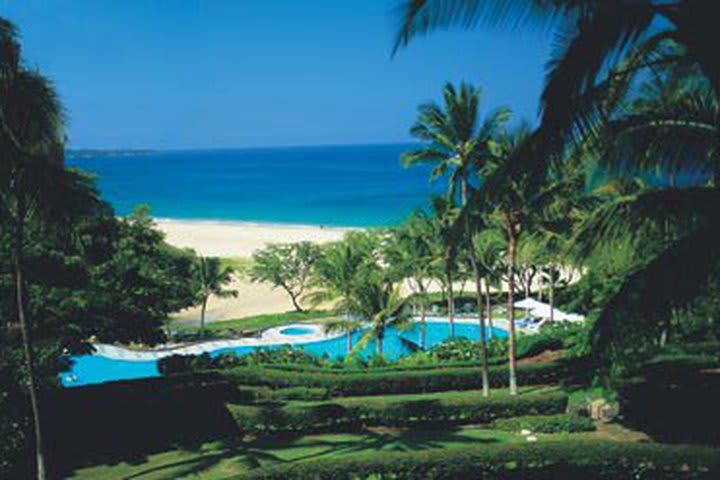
(229, 238)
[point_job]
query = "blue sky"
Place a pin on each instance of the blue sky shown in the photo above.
(177, 74)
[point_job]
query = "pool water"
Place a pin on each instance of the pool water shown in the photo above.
(297, 331)
(93, 369)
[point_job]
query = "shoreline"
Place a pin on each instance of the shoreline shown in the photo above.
(261, 224)
(229, 238)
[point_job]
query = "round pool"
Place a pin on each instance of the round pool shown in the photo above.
(297, 331)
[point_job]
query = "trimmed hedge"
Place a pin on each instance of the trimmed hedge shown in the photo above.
(390, 382)
(355, 413)
(267, 394)
(585, 459)
(558, 423)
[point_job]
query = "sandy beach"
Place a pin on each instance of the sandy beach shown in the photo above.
(241, 239)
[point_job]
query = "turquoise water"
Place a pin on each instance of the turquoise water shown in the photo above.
(92, 369)
(352, 185)
(296, 331)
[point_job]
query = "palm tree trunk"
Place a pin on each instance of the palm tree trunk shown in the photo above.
(511, 302)
(203, 307)
(478, 292)
(348, 344)
(489, 310)
(423, 317)
(380, 345)
(552, 290)
(450, 297)
(27, 349)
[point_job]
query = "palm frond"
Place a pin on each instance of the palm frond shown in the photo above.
(419, 17)
(671, 280)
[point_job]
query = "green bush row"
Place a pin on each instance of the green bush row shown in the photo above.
(248, 394)
(557, 423)
(355, 413)
(586, 459)
(389, 382)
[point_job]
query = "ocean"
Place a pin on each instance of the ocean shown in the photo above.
(352, 185)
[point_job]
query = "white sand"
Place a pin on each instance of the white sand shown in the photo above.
(241, 239)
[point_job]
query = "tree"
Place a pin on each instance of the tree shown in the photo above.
(34, 183)
(512, 192)
(410, 251)
(458, 144)
(489, 247)
(287, 266)
(603, 46)
(378, 301)
(212, 279)
(335, 273)
(446, 238)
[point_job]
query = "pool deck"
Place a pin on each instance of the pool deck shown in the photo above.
(271, 336)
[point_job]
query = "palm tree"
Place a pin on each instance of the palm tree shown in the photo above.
(379, 302)
(512, 192)
(410, 251)
(595, 38)
(446, 237)
(459, 145)
(489, 247)
(34, 184)
(212, 279)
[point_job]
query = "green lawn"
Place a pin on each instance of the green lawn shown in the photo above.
(219, 460)
(259, 322)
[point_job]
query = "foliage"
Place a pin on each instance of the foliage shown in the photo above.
(600, 460)
(282, 355)
(212, 277)
(557, 423)
(389, 381)
(287, 266)
(344, 414)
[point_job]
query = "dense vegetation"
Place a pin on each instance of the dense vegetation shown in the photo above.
(609, 207)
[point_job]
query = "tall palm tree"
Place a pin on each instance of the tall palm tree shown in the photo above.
(489, 247)
(512, 192)
(335, 275)
(410, 250)
(446, 238)
(34, 184)
(459, 145)
(379, 302)
(212, 279)
(595, 37)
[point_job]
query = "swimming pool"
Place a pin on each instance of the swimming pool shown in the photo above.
(296, 331)
(104, 367)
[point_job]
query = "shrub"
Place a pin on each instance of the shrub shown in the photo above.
(586, 459)
(354, 413)
(558, 423)
(267, 394)
(387, 382)
(284, 355)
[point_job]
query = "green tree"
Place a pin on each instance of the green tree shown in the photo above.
(459, 145)
(512, 192)
(335, 273)
(602, 45)
(212, 279)
(445, 243)
(410, 251)
(287, 266)
(35, 185)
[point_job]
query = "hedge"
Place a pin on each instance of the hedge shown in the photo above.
(355, 413)
(379, 383)
(558, 423)
(583, 459)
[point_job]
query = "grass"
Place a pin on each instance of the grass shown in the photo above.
(224, 459)
(495, 393)
(259, 322)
